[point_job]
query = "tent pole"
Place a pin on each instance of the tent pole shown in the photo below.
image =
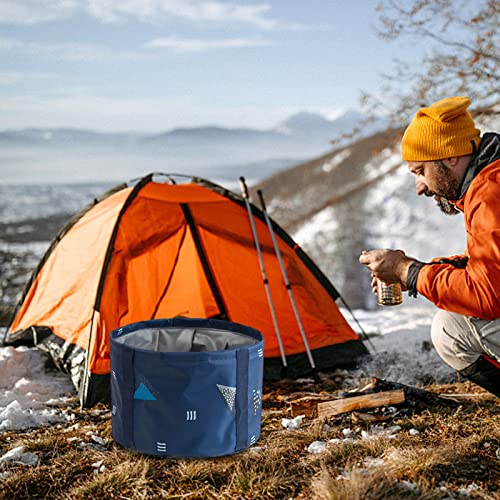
(244, 193)
(287, 282)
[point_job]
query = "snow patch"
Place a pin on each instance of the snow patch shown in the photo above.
(336, 160)
(322, 222)
(28, 391)
(292, 423)
(19, 456)
(400, 345)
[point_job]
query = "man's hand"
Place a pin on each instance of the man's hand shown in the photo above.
(391, 266)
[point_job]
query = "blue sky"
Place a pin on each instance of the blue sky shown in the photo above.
(152, 65)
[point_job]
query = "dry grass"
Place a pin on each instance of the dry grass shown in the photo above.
(454, 455)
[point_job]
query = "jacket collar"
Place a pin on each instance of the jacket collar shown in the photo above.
(488, 152)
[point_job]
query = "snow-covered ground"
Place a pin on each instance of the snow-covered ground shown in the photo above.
(400, 345)
(32, 395)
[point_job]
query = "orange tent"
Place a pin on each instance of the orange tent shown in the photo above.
(161, 250)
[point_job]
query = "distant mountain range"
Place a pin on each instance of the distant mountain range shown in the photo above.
(39, 154)
(354, 197)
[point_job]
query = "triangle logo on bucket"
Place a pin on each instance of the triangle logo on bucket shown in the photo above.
(142, 392)
(229, 394)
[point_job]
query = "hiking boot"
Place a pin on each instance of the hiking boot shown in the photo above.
(485, 372)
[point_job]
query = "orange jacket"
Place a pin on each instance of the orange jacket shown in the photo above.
(475, 289)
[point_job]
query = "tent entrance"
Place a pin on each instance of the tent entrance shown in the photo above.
(167, 281)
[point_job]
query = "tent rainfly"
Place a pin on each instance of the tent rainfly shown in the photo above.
(163, 249)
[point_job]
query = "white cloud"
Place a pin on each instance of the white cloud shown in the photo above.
(36, 11)
(113, 11)
(193, 10)
(68, 51)
(90, 52)
(9, 44)
(15, 77)
(197, 45)
(80, 52)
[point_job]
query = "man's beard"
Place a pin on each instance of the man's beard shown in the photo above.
(445, 206)
(449, 189)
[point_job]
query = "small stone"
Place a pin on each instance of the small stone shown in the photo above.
(98, 440)
(316, 447)
(409, 485)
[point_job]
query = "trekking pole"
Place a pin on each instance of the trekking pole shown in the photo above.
(287, 282)
(244, 193)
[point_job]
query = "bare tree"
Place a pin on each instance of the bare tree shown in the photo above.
(463, 56)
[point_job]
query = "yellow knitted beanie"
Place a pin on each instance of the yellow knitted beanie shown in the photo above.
(442, 130)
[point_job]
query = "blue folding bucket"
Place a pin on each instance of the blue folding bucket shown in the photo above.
(186, 387)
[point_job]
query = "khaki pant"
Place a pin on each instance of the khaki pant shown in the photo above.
(461, 340)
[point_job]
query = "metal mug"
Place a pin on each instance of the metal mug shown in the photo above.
(389, 294)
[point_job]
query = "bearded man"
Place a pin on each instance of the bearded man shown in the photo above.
(461, 170)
